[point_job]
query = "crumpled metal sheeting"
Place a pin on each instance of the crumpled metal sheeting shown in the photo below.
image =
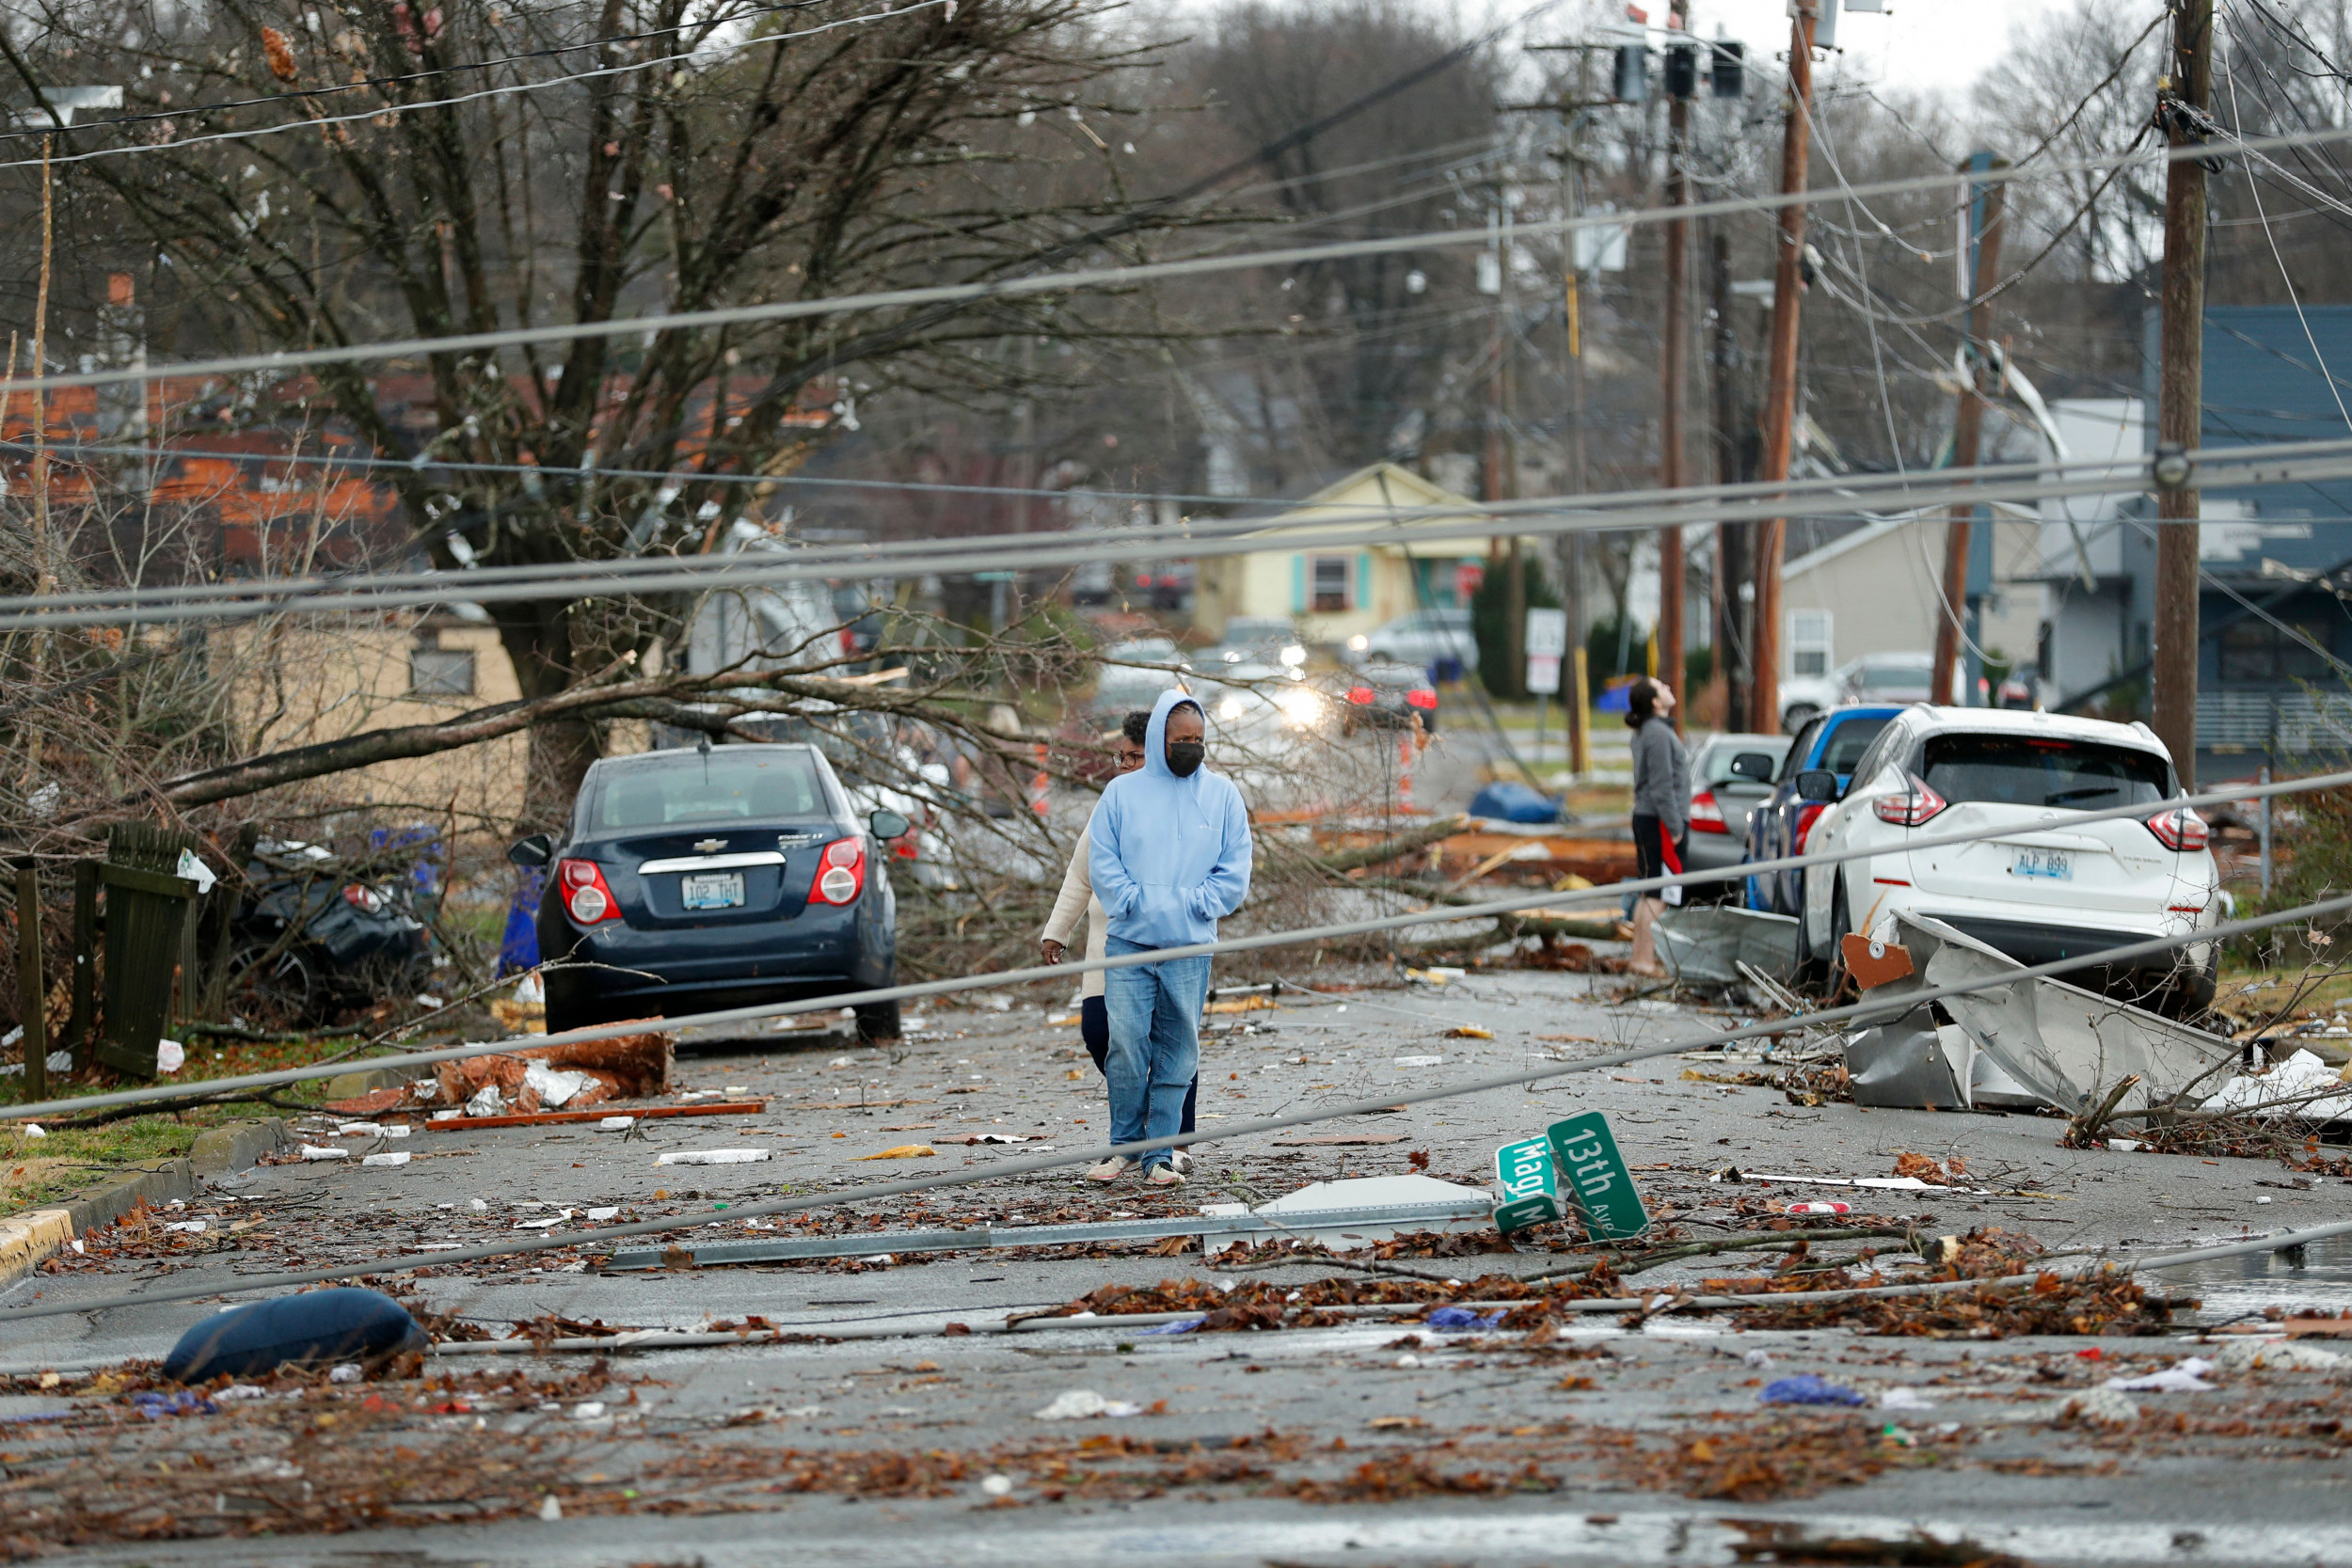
(1910, 1064)
(1705, 944)
(2061, 1043)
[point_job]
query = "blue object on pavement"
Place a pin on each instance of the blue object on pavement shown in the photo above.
(1462, 1317)
(315, 1327)
(518, 948)
(1186, 1327)
(1512, 802)
(156, 1406)
(1804, 1388)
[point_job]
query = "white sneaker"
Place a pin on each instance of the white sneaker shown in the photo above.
(1182, 1160)
(1111, 1169)
(1165, 1175)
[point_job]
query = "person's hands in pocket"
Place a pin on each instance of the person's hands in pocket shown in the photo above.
(1051, 950)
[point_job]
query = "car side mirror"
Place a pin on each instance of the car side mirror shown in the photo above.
(539, 850)
(888, 824)
(1753, 765)
(1816, 784)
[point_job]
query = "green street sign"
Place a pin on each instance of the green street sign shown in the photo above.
(1598, 1180)
(1530, 1188)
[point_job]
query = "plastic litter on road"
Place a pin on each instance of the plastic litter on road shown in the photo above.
(1806, 1388)
(712, 1157)
(1081, 1404)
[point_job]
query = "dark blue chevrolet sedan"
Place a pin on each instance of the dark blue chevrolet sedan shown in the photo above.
(719, 876)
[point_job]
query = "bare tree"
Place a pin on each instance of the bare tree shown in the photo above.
(470, 167)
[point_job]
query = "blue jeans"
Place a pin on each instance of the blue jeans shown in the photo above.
(1094, 1027)
(1154, 1054)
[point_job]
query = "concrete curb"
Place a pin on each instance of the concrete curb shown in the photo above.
(29, 1238)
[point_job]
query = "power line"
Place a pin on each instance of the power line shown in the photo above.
(1031, 1164)
(280, 361)
(1837, 495)
(507, 91)
(333, 89)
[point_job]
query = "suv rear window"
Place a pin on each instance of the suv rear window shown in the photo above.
(1847, 743)
(2014, 770)
(724, 784)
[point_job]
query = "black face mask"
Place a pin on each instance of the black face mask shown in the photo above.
(1184, 758)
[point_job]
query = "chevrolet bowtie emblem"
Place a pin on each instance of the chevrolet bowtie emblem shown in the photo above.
(709, 846)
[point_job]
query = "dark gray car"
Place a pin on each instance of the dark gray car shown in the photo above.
(1730, 776)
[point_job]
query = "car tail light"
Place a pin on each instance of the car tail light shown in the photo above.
(1911, 807)
(1359, 695)
(1807, 814)
(2180, 829)
(367, 898)
(848, 640)
(1705, 816)
(840, 873)
(1424, 699)
(587, 898)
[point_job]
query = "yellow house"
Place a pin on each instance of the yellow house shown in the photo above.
(1335, 594)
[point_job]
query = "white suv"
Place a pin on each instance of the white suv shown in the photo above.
(2037, 891)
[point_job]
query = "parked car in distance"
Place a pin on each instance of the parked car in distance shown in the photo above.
(1834, 741)
(722, 876)
(1871, 678)
(1388, 692)
(1134, 673)
(1730, 775)
(2035, 891)
(1265, 640)
(1425, 638)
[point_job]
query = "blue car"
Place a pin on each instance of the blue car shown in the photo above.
(693, 880)
(1834, 742)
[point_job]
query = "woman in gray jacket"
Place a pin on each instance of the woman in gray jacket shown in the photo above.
(1662, 806)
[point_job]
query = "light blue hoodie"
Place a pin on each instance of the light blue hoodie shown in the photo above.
(1170, 856)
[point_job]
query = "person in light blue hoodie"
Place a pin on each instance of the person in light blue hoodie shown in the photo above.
(1169, 858)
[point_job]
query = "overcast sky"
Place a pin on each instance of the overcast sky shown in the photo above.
(1914, 45)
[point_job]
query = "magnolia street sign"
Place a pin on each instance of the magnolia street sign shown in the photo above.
(1599, 1186)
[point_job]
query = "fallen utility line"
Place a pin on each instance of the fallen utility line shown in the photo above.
(2108, 472)
(1533, 905)
(1122, 276)
(1545, 516)
(1062, 1161)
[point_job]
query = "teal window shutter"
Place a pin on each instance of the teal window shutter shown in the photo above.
(1298, 585)
(1362, 596)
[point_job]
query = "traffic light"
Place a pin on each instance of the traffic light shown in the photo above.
(1682, 70)
(1730, 73)
(1632, 79)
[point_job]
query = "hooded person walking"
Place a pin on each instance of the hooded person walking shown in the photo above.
(1168, 858)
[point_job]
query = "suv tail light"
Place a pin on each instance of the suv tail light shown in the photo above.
(1359, 695)
(587, 898)
(1705, 816)
(1807, 814)
(2180, 829)
(1911, 807)
(840, 873)
(1422, 697)
(367, 898)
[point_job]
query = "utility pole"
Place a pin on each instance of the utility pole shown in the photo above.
(1985, 246)
(2181, 103)
(1731, 539)
(1681, 83)
(1780, 398)
(1501, 475)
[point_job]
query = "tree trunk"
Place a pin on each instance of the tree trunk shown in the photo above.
(538, 641)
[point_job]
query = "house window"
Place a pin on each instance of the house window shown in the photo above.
(2258, 651)
(441, 672)
(1808, 642)
(1329, 584)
